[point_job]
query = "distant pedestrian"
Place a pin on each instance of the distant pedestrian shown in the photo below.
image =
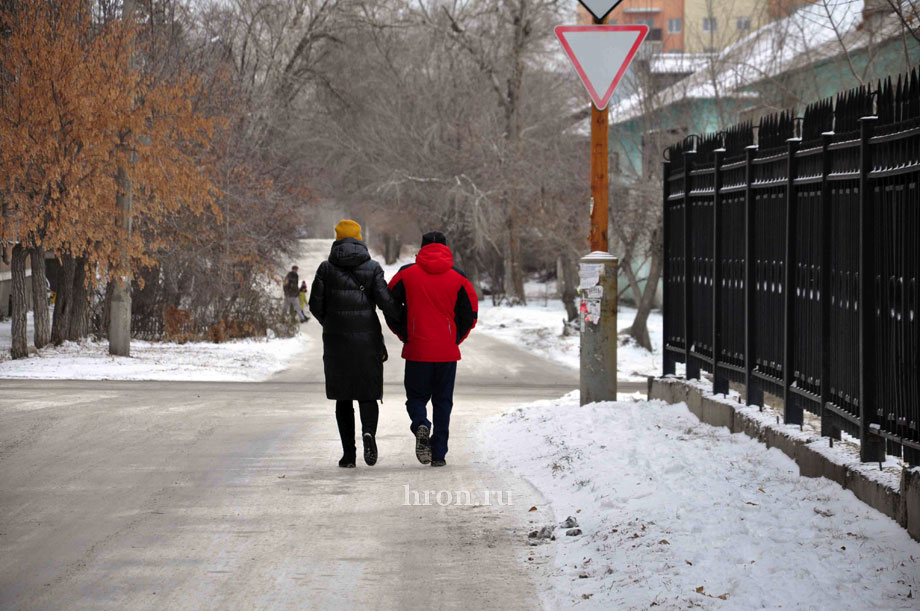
(292, 294)
(302, 299)
(346, 291)
(440, 309)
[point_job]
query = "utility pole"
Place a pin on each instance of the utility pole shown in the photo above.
(598, 270)
(600, 166)
(601, 54)
(120, 313)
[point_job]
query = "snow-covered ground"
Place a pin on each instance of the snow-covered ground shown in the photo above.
(251, 360)
(538, 329)
(677, 514)
(235, 361)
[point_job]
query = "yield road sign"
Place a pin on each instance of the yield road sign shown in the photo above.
(601, 54)
(600, 8)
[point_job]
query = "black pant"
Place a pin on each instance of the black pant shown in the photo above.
(345, 418)
(431, 382)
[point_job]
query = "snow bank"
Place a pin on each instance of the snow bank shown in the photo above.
(250, 360)
(538, 329)
(679, 514)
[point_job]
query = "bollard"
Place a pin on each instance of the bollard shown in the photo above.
(598, 316)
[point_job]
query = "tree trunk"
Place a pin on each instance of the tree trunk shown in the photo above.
(103, 329)
(626, 262)
(80, 302)
(20, 347)
(627, 268)
(63, 305)
(569, 285)
(171, 287)
(514, 274)
(497, 279)
(120, 308)
(390, 248)
(42, 334)
(120, 305)
(466, 263)
(472, 272)
(639, 329)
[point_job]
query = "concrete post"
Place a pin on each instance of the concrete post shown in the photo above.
(598, 313)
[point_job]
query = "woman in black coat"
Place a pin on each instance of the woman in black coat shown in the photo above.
(346, 289)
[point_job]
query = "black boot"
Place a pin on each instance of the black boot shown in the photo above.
(370, 449)
(422, 445)
(345, 418)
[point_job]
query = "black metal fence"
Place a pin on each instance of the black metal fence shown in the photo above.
(791, 263)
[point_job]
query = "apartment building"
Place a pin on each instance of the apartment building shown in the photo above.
(665, 19)
(700, 26)
(712, 25)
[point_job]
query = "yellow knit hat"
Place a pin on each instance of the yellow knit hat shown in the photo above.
(347, 229)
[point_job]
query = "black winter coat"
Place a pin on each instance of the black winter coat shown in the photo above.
(352, 340)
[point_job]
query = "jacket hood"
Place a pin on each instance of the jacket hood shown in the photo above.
(348, 253)
(435, 258)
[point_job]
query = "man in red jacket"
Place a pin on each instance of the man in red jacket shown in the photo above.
(440, 310)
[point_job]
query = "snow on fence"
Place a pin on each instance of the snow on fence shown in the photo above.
(767, 246)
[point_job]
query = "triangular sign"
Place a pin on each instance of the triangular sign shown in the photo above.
(600, 8)
(601, 54)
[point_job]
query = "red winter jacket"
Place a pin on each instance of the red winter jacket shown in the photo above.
(440, 306)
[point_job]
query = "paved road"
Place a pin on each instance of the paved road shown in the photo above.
(205, 495)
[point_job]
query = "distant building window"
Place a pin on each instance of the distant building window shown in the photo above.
(674, 26)
(649, 21)
(614, 22)
(744, 24)
(710, 24)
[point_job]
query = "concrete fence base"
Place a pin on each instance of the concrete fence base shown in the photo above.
(899, 502)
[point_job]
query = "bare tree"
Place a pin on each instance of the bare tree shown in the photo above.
(908, 12)
(502, 38)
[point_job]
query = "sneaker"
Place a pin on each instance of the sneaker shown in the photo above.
(370, 450)
(422, 445)
(347, 462)
(438, 462)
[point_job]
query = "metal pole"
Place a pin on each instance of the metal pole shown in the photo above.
(753, 389)
(792, 414)
(828, 429)
(871, 446)
(719, 380)
(693, 366)
(668, 359)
